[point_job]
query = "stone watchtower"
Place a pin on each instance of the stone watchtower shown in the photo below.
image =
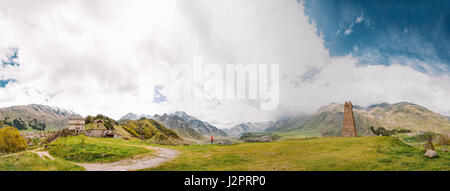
(348, 127)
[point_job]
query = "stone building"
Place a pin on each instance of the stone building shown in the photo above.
(102, 133)
(348, 126)
(76, 125)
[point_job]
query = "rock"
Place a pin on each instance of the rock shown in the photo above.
(224, 142)
(445, 150)
(431, 154)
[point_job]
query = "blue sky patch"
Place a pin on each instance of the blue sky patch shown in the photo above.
(378, 31)
(11, 58)
(3, 83)
(159, 97)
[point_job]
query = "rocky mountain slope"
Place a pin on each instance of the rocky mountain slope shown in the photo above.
(251, 127)
(36, 117)
(180, 126)
(202, 126)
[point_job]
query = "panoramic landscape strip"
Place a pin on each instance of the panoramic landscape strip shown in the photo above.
(224, 94)
(336, 137)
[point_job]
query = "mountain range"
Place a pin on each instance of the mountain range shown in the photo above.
(34, 116)
(252, 127)
(327, 120)
(185, 125)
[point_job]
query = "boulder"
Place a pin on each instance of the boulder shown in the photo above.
(224, 142)
(431, 154)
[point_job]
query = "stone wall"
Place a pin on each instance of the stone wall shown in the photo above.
(102, 133)
(348, 127)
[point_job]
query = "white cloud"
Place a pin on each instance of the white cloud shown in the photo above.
(359, 19)
(107, 57)
(348, 27)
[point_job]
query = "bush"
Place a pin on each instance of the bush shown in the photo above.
(89, 119)
(54, 136)
(11, 140)
(384, 132)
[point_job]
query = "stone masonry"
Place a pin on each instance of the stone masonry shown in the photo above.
(348, 127)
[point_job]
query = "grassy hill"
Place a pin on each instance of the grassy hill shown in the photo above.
(318, 154)
(32, 162)
(189, 127)
(117, 128)
(88, 149)
(327, 120)
(152, 130)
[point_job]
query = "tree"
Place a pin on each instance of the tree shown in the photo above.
(19, 124)
(11, 140)
(89, 119)
(381, 131)
(109, 125)
(34, 124)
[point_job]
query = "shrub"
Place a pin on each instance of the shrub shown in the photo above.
(385, 132)
(11, 140)
(403, 131)
(89, 119)
(53, 136)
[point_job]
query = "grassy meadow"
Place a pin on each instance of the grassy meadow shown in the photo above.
(312, 154)
(92, 150)
(28, 161)
(318, 154)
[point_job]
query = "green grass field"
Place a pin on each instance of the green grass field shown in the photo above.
(32, 162)
(93, 149)
(358, 153)
(318, 154)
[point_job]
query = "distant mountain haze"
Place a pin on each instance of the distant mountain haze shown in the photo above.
(252, 127)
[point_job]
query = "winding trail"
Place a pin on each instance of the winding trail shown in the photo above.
(43, 154)
(160, 156)
(33, 151)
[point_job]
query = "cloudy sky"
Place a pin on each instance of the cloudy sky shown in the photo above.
(115, 57)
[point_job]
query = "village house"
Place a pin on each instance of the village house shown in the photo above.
(102, 133)
(76, 125)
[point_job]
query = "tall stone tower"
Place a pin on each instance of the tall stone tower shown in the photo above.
(348, 127)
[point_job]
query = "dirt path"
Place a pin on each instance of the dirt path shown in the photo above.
(160, 156)
(43, 154)
(34, 151)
